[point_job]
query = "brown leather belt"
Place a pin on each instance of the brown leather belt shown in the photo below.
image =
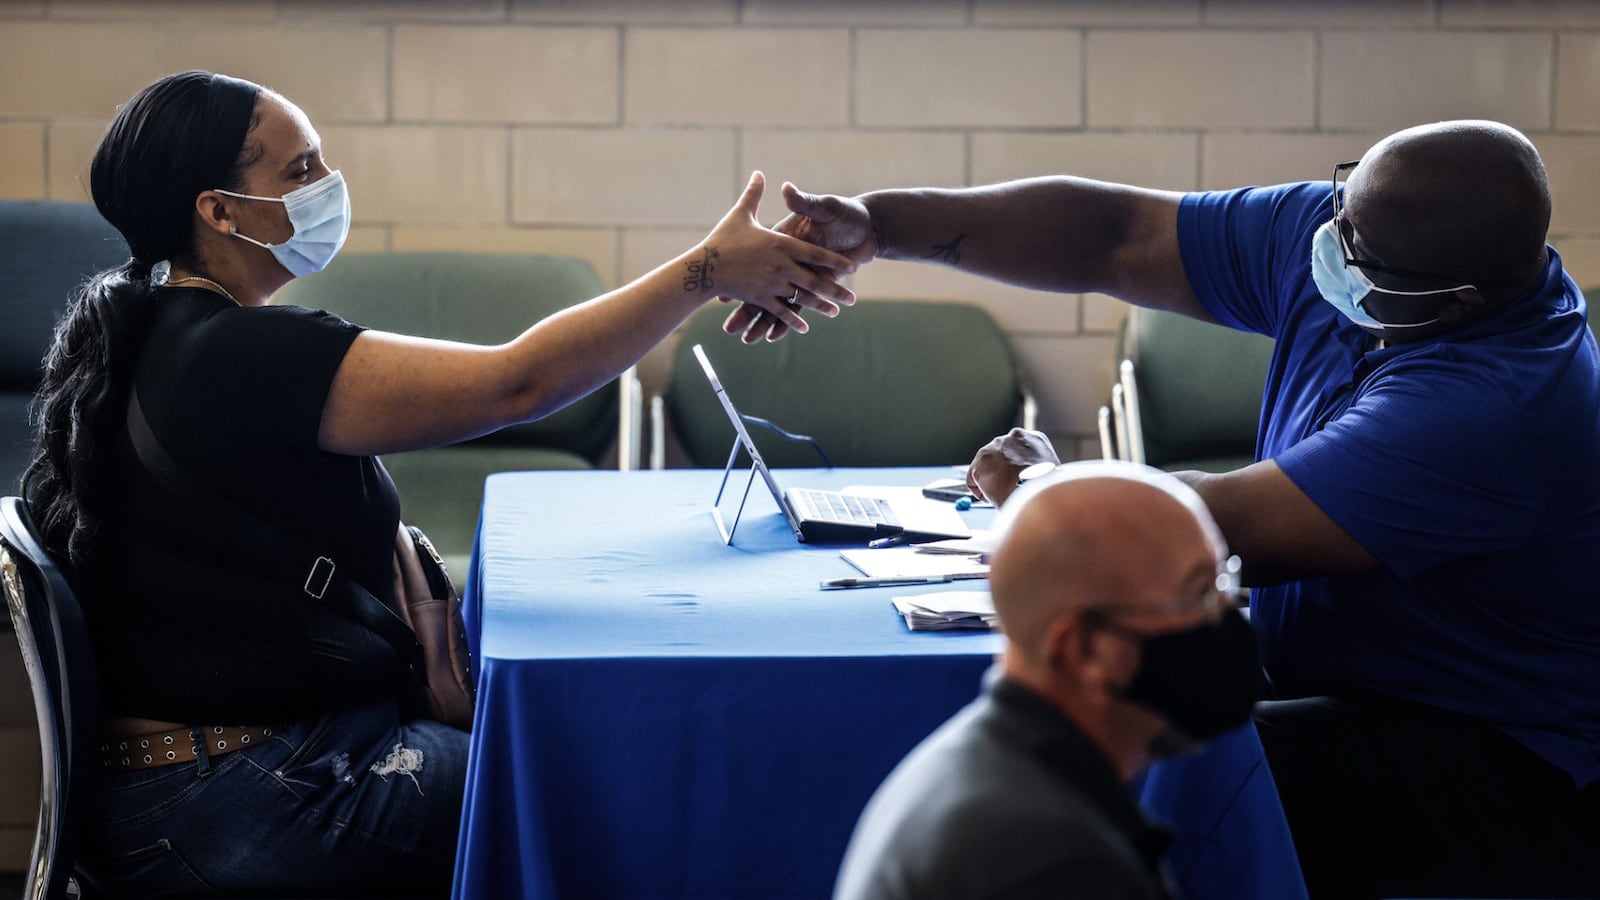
(181, 745)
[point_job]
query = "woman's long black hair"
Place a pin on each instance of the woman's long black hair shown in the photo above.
(181, 135)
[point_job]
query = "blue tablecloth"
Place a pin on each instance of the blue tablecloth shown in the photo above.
(660, 715)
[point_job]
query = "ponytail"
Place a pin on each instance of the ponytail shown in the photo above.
(180, 135)
(77, 410)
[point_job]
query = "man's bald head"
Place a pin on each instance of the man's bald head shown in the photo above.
(1466, 199)
(1112, 540)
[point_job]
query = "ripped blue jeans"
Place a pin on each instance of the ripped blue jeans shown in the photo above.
(353, 802)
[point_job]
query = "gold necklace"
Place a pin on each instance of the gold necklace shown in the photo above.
(207, 281)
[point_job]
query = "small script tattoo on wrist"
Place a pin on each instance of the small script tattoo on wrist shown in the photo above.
(697, 272)
(947, 253)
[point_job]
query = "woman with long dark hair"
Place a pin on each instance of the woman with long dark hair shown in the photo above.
(254, 738)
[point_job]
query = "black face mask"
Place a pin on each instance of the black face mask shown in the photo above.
(1204, 680)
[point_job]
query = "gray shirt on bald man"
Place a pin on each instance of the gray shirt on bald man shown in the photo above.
(1007, 799)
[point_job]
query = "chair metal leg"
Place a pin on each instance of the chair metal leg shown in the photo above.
(1130, 402)
(629, 413)
(658, 433)
(1119, 417)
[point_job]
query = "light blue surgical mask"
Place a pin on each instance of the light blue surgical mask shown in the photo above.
(1346, 287)
(320, 214)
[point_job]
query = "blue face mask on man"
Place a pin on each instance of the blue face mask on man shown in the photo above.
(1346, 287)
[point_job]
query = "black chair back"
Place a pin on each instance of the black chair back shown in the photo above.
(66, 695)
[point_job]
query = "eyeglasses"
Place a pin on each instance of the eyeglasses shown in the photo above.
(1226, 593)
(1340, 174)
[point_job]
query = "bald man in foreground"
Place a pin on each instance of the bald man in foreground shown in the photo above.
(1121, 648)
(1423, 519)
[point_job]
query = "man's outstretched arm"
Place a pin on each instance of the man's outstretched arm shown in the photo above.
(1057, 233)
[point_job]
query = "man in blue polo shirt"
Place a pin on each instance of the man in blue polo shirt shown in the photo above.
(1423, 523)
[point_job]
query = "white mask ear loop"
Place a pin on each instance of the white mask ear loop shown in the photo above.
(250, 196)
(1449, 290)
(1375, 289)
(1366, 281)
(234, 230)
(1389, 325)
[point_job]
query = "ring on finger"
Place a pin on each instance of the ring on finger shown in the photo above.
(793, 299)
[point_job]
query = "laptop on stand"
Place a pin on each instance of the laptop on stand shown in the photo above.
(818, 516)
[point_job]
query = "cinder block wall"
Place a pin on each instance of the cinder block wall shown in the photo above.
(620, 130)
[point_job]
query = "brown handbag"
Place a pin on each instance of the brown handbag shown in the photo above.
(429, 604)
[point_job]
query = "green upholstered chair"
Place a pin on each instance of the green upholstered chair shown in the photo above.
(887, 383)
(480, 299)
(1196, 389)
(46, 250)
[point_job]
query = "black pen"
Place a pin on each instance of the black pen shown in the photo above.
(893, 540)
(836, 583)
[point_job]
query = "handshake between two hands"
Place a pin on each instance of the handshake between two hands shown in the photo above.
(844, 226)
(840, 224)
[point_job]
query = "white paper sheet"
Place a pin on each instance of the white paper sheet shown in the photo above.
(948, 610)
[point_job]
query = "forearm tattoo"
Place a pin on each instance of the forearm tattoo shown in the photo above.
(948, 252)
(697, 272)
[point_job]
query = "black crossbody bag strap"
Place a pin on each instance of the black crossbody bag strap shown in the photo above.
(271, 552)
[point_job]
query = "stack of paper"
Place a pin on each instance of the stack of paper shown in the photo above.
(948, 611)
